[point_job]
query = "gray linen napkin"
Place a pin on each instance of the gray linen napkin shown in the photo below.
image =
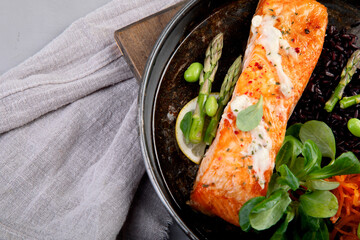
(70, 160)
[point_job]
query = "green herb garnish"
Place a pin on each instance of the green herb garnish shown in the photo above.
(299, 174)
(245, 212)
(270, 210)
(249, 118)
(324, 138)
(319, 204)
(185, 125)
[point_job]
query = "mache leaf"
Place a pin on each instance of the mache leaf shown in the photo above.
(294, 130)
(284, 155)
(312, 159)
(346, 163)
(321, 185)
(288, 178)
(312, 156)
(268, 212)
(319, 204)
(321, 134)
(185, 125)
(321, 234)
(274, 185)
(298, 166)
(308, 223)
(288, 152)
(250, 118)
(245, 212)
(279, 234)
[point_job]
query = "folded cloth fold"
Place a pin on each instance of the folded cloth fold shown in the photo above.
(70, 160)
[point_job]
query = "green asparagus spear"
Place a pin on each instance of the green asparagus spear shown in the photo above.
(212, 56)
(346, 75)
(226, 91)
(349, 101)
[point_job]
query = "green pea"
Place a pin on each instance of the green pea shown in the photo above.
(354, 126)
(192, 74)
(211, 106)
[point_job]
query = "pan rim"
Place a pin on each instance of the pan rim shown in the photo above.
(145, 146)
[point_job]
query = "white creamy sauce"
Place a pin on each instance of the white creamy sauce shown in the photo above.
(240, 103)
(256, 21)
(259, 149)
(271, 39)
(261, 144)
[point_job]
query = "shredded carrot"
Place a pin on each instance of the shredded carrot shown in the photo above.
(347, 218)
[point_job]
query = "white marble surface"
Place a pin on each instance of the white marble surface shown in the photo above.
(27, 26)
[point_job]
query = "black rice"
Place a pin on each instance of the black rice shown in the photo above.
(338, 47)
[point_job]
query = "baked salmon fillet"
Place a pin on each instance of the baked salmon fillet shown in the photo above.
(286, 39)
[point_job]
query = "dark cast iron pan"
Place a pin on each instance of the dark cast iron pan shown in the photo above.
(164, 93)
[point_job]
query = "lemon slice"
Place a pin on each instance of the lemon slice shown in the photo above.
(194, 152)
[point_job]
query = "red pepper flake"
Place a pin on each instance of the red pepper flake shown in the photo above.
(236, 132)
(293, 40)
(246, 92)
(231, 116)
(250, 94)
(297, 50)
(250, 82)
(258, 66)
(257, 89)
(277, 97)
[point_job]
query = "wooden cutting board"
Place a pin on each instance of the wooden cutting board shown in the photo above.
(137, 40)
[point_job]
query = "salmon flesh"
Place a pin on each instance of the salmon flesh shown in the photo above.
(285, 42)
